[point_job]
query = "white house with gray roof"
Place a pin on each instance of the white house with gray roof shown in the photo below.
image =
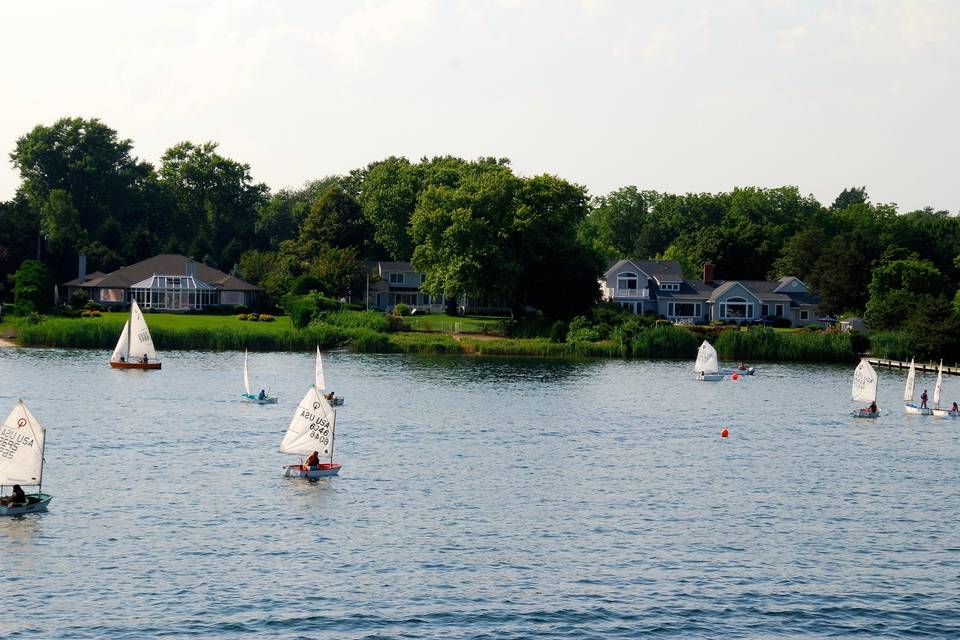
(658, 286)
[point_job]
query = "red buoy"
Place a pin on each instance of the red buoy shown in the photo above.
(735, 376)
(724, 433)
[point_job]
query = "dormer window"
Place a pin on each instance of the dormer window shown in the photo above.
(669, 286)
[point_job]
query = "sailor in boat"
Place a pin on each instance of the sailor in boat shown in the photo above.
(144, 359)
(313, 462)
(262, 395)
(329, 397)
(955, 408)
(872, 408)
(923, 399)
(16, 499)
(742, 366)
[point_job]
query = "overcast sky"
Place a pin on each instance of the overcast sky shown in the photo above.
(672, 96)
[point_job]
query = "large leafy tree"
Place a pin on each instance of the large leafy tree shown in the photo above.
(899, 287)
(33, 289)
(216, 201)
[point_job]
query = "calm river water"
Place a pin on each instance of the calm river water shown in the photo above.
(479, 498)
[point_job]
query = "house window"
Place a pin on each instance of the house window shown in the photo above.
(684, 309)
(396, 278)
(627, 284)
(779, 308)
(764, 310)
(736, 309)
(112, 295)
(804, 315)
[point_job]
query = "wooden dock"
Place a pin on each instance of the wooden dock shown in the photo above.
(922, 367)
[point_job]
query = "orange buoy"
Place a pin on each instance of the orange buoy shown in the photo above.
(735, 376)
(724, 433)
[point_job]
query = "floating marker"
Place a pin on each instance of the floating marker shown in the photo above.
(735, 376)
(724, 433)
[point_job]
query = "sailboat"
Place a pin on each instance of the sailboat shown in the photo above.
(22, 440)
(937, 393)
(321, 384)
(256, 398)
(312, 429)
(134, 349)
(707, 367)
(909, 405)
(865, 381)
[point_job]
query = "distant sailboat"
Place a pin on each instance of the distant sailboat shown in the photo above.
(321, 384)
(937, 394)
(256, 398)
(134, 349)
(909, 405)
(22, 441)
(312, 429)
(865, 382)
(707, 367)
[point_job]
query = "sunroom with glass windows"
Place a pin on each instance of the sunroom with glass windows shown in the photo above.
(174, 293)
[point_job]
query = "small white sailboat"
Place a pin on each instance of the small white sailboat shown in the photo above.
(909, 405)
(321, 384)
(707, 366)
(22, 441)
(257, 398)
(937, 394)
(865, 382)
(311, 431)
(134, 349)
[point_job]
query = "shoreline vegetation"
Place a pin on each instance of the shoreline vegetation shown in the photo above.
(374, 332)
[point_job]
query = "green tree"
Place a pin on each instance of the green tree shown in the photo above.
(388, 195)
(850, 196)
(33, 288)
(899, 287)
(339, 270)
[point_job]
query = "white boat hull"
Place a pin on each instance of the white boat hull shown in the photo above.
(255, 400)
(912, 408)
(299, 471)
(709, 377)
(36, 502)
(945, 413)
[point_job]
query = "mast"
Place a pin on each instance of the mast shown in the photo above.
(333, 432)
(128, 333)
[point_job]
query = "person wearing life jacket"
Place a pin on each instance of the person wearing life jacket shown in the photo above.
(313, 462)
(15, 499)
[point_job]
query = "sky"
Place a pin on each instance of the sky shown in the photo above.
(678, 96)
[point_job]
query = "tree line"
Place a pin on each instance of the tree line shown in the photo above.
(471, 226)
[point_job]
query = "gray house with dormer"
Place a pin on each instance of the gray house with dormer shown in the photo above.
(658, 286)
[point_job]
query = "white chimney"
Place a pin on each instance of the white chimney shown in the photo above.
(82, 268)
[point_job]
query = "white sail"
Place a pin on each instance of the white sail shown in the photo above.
(120, 351)
(319, 381)
(21, 448)
(706, 359)
(246, 378)
(865, 383)
(140, 341)
(937, 389)
(911, 378)
(312, 427)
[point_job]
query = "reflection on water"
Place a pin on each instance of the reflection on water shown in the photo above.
(507, 498)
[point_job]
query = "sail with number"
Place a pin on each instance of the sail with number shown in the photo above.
(937, 389)
(865, 383)
(911, 379)
(121, 351)
(319, 381)
(140, 341)
(21, 448)
(246, 377)
(312, 427)
(706, 359)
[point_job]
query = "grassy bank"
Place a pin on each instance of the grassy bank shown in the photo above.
(371, 332)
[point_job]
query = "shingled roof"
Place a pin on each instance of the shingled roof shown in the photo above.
(165, 264)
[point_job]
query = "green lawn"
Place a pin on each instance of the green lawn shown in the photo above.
(449, 324)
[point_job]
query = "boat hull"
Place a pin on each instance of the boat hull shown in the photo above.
(36, 502)
(710, 377)
(135, 365)
(255, 400)
(945, 413)
(299, 471)
(912, 408)
(336, 402)
(863, 413)
(743, 372)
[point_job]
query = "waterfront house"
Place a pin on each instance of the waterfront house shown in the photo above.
(168, 282)
(392, 283)
(658, 286)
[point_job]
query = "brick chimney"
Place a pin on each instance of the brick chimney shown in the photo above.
(707, 272)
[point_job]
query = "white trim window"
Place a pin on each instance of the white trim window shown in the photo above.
(396, 277)
(779, 309)
(683, 310)
(804, 315)
(628, 284)
(670, 286)
(736, 309)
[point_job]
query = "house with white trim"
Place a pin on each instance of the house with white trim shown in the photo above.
(658, 286)
(391, 283)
